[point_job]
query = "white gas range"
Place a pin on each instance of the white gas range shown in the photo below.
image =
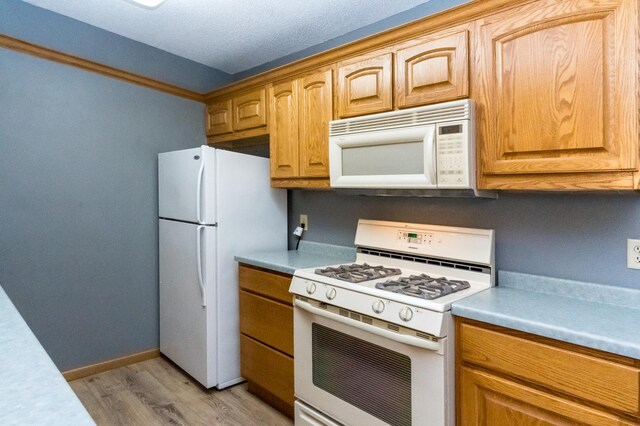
(373, 340)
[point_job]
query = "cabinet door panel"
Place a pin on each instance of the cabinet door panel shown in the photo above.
(316, 107)
(557, 88)
(435, 70)
(249, 110)
(283, 126)
(219, 118)
(488, 400)
(365, 85)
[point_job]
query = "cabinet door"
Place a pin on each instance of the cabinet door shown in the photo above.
(283, 126)
(557, 89)
(488, 400)
(219, 118)
(365, 85)
(435, 70)
(249, 110)
(315, 112)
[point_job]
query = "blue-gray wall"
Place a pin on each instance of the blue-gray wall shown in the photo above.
(45, 28)
(78, 197)
(574, 236)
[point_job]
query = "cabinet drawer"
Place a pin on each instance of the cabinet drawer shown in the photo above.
(267, 321)
(268, 284)
(267, 367)
(587, 377)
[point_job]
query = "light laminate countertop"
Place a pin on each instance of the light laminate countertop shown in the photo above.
(309, 255)
(592, 315)
(32, 390)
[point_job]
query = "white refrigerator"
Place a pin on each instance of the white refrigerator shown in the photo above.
(213, 204)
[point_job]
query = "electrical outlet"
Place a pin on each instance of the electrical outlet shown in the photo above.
(304, 220)
(633, 254)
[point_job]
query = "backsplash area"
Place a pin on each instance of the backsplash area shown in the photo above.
(574, 236)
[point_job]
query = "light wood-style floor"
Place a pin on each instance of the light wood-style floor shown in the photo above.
(156, 392)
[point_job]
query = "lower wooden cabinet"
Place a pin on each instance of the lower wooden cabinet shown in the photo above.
(507, 377)
(266, 339)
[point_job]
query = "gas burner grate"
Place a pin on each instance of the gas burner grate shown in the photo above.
(356, 273)
(423, 286)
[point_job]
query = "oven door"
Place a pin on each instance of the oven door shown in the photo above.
(390, 159)
(359, 375)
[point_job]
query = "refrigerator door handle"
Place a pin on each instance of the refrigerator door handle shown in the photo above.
(199, 256)
(199, 191)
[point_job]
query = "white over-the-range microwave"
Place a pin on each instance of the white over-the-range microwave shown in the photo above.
(429, 150)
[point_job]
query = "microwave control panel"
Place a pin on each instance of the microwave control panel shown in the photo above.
(452, 145)
(415, 237)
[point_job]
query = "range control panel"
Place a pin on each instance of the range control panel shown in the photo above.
(415, 237)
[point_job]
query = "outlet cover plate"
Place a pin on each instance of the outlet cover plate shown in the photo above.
(633, 254)
(304, 220)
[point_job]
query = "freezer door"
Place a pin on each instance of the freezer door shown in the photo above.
(186, 185)
(187, 277)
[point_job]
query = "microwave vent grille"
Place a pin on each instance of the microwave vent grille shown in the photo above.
(458, 110)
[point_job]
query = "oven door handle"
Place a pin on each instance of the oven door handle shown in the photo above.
(402, 338)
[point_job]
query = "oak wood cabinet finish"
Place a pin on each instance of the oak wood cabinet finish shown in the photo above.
(219, 118)
(300, 113)
(365, 85)
(266, 335)
(555, 83)
(250, 110)
(557, 94)
(283, 99)
(434, 70)
(507, 377)
(240, 116)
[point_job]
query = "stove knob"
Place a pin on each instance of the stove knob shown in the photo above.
(311, 288)
(331, 293)
(406, 314)
(378, 306)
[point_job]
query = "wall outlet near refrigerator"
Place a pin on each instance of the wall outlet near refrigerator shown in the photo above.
(304, 220)
(633, 254)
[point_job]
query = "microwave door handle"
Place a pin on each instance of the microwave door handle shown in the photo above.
(429, 142)
(402, 338)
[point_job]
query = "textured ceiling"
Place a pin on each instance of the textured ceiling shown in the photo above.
(230, 35)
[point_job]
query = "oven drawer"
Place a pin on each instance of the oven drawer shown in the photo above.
(576, 374)
(268, 368)
(269, 284)
(267, 321)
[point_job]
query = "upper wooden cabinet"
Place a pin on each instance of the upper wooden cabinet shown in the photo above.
(365, 85)
(300, 111)
(283, 99)
(557, 95)
(241, 116)
(219, 118)
(435, 70)
(250, 110)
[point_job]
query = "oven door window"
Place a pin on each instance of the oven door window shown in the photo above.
(393, 159)
(375, 379)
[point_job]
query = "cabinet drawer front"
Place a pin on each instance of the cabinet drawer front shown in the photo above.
(593, 379)
(219, 118)
(268, 368)
(267, 321)
(249, 110)
(268, 284)
(490, 400)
